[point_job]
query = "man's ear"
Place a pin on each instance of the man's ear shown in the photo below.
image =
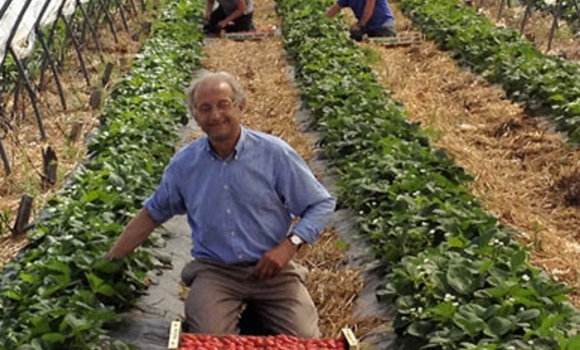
(242, 106)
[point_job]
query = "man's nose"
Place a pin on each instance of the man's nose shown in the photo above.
(214, 113)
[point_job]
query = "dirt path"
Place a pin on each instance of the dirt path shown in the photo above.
(23, 144)
(526, 175)
(272, 108)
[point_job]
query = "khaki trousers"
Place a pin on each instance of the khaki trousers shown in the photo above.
(218, 292)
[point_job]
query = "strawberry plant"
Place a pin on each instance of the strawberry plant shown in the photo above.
(458, 278)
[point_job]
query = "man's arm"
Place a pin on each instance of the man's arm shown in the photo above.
(208, 9)
(134, 234)
(368, 12)
(237, 13)
(333, 10)
(305, 197)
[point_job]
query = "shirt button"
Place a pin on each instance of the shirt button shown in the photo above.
(240, 257)
(233, 233)
(228, 211)
(226, 187)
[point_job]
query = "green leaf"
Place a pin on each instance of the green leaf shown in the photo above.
(528, 315)
(498, 326)
(460, 279)
(469, 322)
(420, 329)
(517, 260)
(53, 337)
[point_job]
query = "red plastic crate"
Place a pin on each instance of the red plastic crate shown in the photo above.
(186, 341)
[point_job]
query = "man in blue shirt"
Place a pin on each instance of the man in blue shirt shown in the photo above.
(374, 17)
(229, 15)
(241, 190)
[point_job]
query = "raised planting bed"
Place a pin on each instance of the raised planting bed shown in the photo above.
(61, 293)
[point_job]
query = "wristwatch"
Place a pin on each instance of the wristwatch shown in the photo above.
(296, 240)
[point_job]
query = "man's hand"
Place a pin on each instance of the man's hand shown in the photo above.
(356, 27)
(222, 24)
(274, 260)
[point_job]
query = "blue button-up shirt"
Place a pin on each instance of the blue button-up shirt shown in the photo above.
(382, 13)
(240, 207)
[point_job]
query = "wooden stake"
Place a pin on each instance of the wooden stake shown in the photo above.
(23, 217)
(4, 157)
(107, 73)
(50, 165)
(75, 132)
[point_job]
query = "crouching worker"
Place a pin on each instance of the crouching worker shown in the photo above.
(374, 17)
(241, 190)
(230, 15)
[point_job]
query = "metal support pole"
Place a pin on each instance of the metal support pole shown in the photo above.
(123, 17)
(554, 24)
(133, 7)
(526, 16)
(109, 19)
(47, 55)
(4, 8)
(49, 43)
(31, 93)
(77, 49)
(52, 65)
(91, 29)
(90, 13)
(501, 5)
(14, 28)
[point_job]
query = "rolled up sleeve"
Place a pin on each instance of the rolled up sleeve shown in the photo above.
(166, 201)
(304, 196)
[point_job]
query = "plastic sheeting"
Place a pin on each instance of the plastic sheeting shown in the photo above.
(24, 38)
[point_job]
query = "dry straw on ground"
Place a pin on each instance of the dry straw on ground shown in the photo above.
(521, 168)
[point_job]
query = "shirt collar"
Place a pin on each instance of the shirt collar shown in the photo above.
(240, 145)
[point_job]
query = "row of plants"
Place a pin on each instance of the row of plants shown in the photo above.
(542, 83)
(61, 293)
(459, 280)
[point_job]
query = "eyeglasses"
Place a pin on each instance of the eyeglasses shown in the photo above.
(221, 106)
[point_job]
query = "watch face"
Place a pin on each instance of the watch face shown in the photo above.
(295, 240)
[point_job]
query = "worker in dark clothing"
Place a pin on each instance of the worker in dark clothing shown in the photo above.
(375, 17)
(230, 15)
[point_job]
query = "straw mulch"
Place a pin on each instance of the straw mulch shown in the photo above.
(272, 107)
(264, 73)
(23, 144)
(526, 175)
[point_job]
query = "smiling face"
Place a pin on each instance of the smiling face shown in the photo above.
(217, 112)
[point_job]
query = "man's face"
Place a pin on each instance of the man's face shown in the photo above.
(216, 112)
